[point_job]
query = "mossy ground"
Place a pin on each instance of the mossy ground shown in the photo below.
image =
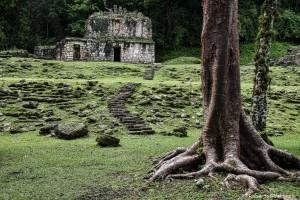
(38, 167)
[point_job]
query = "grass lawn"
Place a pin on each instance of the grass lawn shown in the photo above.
(38, 167)
(35, 167)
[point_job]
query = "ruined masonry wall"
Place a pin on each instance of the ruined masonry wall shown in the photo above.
(45, 51)
(130, 52)
(104, 51)
(126, 27)
(138, 53)
(65, 50)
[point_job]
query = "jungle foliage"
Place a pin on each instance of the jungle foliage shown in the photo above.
(176, 23)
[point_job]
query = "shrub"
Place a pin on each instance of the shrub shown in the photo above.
(288, 26)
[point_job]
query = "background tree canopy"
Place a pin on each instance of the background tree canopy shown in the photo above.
(176, 23)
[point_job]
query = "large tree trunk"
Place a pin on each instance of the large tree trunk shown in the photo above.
(262, 62)
(229, 142)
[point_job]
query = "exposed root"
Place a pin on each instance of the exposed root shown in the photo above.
(246, 181)
(284, 159)
(237, 169)
(170, 166)
(207, 170)
(169, 156)
(244, 154)
(174, 160)
(240, 174)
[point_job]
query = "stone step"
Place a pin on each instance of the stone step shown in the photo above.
(139, 128)
(115, 104)
(120, 109)
(139, 125)
(134, 123)
(131, 119)
(117, 108)
(121, 113)
(145, 132)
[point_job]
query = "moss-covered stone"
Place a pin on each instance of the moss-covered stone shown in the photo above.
(106, 140)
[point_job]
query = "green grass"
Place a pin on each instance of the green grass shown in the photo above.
(183, 60)
(181, 52)
(36, 167)
(47, 168)
(247, 53)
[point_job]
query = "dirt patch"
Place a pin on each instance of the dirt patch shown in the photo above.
(108, 193)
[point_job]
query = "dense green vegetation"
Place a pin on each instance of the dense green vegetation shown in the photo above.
(40, 167)
(176, 23)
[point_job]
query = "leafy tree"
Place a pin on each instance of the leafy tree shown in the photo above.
(288, 27)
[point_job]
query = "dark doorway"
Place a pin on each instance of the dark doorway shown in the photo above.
(117, 54)
(76, 55)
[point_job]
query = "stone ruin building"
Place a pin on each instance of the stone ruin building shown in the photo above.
(292, 58)
(115, 35)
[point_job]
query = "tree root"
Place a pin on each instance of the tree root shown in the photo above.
(248, 182)
(242, 153)
(239, 174)
(169, 156)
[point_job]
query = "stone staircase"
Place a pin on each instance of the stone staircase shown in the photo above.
(135, 124)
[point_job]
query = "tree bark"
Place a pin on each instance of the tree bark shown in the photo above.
(229, 141)
(262, 63)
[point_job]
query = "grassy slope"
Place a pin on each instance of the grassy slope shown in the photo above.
(35, 167)
(247, 52)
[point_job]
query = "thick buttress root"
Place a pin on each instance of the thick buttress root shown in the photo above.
(239, 173)
(173, 161)
(257, 162)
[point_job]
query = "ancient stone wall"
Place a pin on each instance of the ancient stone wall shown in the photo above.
(102, 51)
(138, 52)
(118, 24)
(45, 51)
(87, 49)
(130, 52)
(65, 50)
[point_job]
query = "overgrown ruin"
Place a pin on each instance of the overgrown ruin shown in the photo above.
(115, 35)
